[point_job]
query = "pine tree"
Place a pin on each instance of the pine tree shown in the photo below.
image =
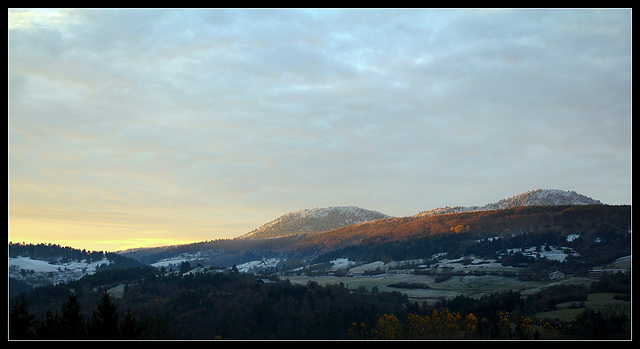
(72, 322)
(20, 321)
(129, 328)
(104, 320)
(49, 326)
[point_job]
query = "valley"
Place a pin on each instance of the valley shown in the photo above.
(476, 280)
(469, 285)
(557, 257)
(439, 280)
(471, 252)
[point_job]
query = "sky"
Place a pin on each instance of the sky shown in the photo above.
(150, 127)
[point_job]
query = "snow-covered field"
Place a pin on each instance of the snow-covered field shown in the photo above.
(177, 260)
(38, 272)
(552, 253)
(314, 220)
(439, 262)
(256, 265)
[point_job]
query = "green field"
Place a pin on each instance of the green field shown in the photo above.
(472, 286)
(475, 286)
(604, 302)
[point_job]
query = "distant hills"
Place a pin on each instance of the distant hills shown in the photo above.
(318, 220)
(32, 265)
(528, 242)
(479, 224)
(580, 233)
(528, 258)
(307, 233)
(313, 221)
(538, 197)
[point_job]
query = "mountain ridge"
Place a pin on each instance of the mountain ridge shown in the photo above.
(304, 229)
(316, 220)
(536, 197)
(313, 220)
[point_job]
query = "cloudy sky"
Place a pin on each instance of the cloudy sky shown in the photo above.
(152, 127)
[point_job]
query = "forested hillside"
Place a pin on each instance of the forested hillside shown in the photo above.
(56, 254)
(207, 301)
(598, 233)
(561, 221)
(231, 305)
(32, 265)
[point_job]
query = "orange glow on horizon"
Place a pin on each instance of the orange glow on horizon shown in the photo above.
(101, 237)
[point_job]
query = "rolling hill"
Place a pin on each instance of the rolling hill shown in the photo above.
(308, 233)
(313, 221)
(538, 197)
(549, 240)
(32, 265)
(506, 223)
(319, 220)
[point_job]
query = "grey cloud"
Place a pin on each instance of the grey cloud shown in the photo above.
(392, 109)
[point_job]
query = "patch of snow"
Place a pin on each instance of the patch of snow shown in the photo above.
(38, 272)
(314, 220)
(361, 269)
(208, 269)
(36, 265)
(177, 260)
(256, 265)
(572, 237)
(538, 197)
(341, 263)
(488, 239)
(554, 253)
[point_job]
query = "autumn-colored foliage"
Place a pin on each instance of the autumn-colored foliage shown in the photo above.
(445, 324)
(507, 221)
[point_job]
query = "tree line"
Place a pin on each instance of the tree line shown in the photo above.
(230, 305)
(105, 322)
(603, 235)
(506, 316)
(56, 254)
(215, 304)
(447, 325)
(53, 252)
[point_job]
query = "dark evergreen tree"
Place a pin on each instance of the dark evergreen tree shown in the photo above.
(129, 328)
(72, 322)
(49, 326)
(185, 267)
(20, 321)
(104, 319)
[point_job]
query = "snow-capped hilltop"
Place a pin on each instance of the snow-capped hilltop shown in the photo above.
(538, 197)
(314, 220)
(544, 197)
(329, 218)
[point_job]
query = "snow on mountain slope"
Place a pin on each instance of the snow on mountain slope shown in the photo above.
(538, 197)
(313, 220)
(325, 219)
(544, 197)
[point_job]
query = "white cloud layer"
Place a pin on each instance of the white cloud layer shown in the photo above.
(205, 115)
